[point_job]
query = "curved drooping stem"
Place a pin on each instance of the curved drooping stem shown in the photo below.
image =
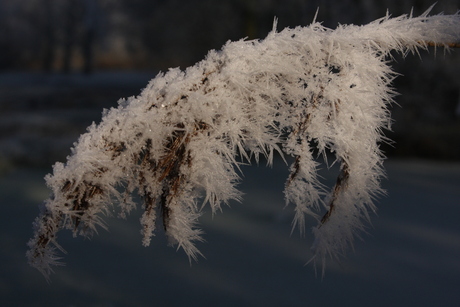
(177, 144)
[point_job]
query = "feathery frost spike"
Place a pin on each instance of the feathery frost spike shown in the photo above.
(179, 143)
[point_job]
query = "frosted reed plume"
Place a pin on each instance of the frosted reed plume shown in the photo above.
(179, 143)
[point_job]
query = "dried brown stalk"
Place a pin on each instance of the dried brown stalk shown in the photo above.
(340, 185)
(449, 45)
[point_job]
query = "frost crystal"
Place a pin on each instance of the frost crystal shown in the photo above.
(179, 143)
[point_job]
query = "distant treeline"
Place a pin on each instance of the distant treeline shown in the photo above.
(83, 35)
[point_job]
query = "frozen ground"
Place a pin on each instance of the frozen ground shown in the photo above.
(411, 256)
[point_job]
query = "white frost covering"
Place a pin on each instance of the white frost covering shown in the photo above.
(178, 144)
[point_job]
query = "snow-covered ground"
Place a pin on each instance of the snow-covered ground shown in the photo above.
(411, 256)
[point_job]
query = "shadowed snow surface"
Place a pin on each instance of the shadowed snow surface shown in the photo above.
(410, 257)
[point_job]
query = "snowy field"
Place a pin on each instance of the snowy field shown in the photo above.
(411, 256)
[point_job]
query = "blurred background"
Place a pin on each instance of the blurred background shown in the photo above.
(74, 56)
(63, 61)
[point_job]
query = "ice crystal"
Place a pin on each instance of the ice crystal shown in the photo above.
(179, 143)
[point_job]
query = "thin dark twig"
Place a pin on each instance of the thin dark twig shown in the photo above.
(341, 183)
